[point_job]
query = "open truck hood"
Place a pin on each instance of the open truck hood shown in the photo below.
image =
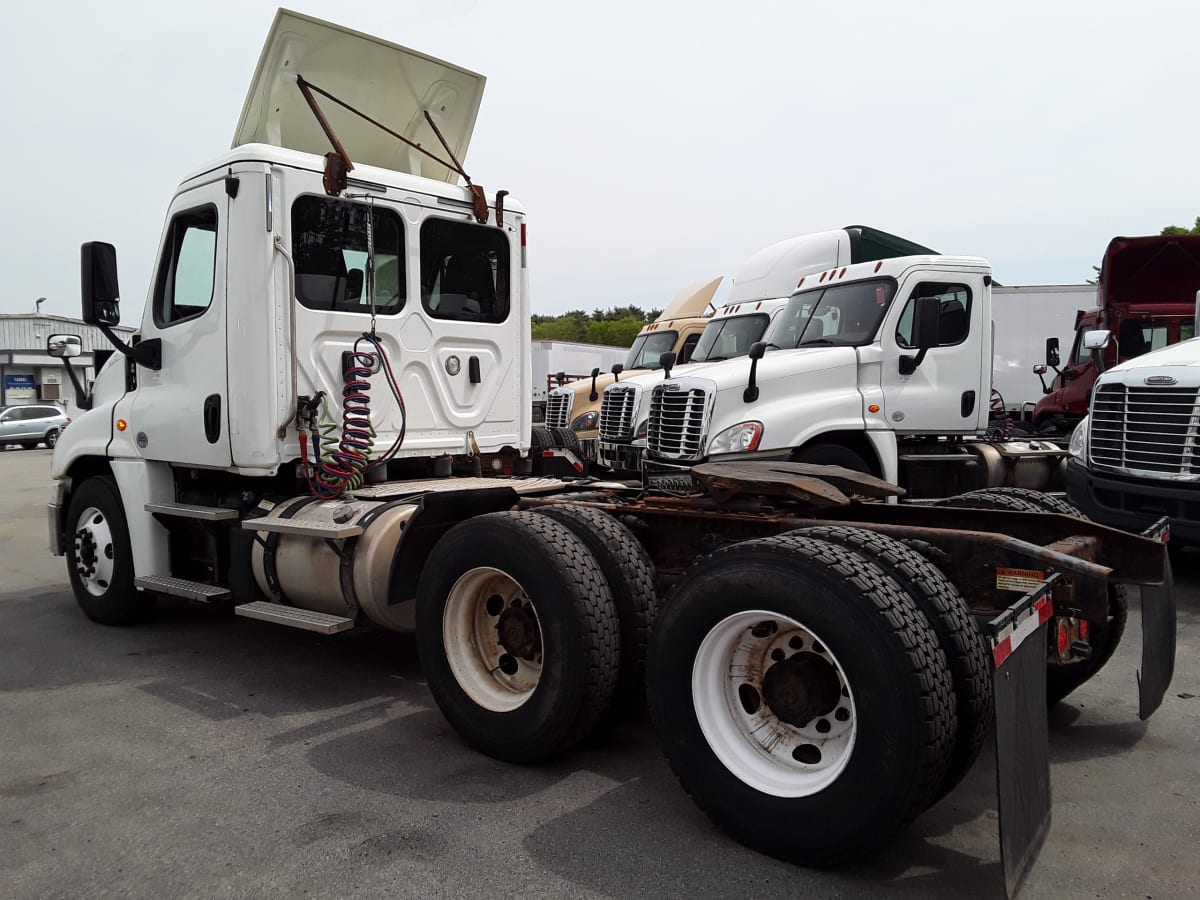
(390, 83)
(692, 300)
(1155, 269)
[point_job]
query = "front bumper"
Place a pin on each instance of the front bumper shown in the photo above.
(54, 511)
(621, 457)
(1133, 504)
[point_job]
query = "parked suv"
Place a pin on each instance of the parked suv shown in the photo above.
(31, 425)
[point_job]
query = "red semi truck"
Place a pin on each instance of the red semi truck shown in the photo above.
(1146, 297)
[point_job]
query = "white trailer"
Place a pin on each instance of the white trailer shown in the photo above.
(1024, 317)
(556, 363)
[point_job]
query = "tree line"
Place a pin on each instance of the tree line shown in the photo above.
(615, 327)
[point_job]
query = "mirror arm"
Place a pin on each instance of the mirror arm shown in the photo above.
(751, 392)
(594, 396)
(144, 353)
(82, 399)
(909, 364)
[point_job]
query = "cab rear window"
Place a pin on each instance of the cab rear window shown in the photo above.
(464, 271)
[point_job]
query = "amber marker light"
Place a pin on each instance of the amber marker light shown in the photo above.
(122, 424)
(873, 408)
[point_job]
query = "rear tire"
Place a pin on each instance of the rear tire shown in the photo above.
(1042, 502)
(630, 574)
(99, 556)
(28, 445)
(1104, 636)
(744, 755)
(51, 439)
(967, 655)
(518, 635)
(567, 440)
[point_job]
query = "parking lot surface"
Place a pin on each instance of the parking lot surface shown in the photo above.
(209, 756)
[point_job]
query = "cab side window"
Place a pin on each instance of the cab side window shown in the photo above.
(1079, 356)
(688, 348)
(954, 317)
(186, 277)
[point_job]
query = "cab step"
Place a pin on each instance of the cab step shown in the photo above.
(322, 623)
(190, 511)
(181, 587)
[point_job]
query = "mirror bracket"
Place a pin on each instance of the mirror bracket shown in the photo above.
(909, 364)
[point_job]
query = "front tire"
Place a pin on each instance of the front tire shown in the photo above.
(99, 556)
(51, 439)
(801, 698)
(518, 635)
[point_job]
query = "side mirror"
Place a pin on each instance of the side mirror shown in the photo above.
(926, 326)
(757, 351)
(1052, 357)
(667, 361)
(617, 369)
(1097, 340)
(64, 345)
(98, 276)
(593, 396)
(926, 314)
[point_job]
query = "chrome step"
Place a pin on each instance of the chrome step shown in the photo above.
(302, 528)
(322, 623)
(188, 511)
(181, 587)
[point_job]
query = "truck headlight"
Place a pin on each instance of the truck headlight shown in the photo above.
(586, 422)
(1078, 443)
(741, 438)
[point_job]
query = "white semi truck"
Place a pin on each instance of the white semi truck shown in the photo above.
(845, 377)
(323, 422)
(1134, 458)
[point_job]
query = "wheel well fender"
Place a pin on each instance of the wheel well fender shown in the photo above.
(440, 511)
(851, 440)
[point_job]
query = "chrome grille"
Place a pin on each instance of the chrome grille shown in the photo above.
(617, 410)
(676, 428)
(558, 408)
(1145, 429)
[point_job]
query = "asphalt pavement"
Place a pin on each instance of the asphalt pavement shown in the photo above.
(209, 756)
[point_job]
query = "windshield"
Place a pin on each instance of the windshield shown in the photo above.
(845, 315)
(730, 337)
(648, 348)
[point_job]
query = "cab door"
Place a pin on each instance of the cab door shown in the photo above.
(180, 411)
(949, 391)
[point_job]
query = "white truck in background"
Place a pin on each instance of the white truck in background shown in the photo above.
(1134, 458)
(323, 423)
(847, 386)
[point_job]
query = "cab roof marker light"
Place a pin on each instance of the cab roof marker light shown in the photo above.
(800, 282)
(842, 273)
(878, 265)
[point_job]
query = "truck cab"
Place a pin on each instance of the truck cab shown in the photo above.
(1146, 300)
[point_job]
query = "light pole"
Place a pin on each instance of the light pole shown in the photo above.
(37, 304)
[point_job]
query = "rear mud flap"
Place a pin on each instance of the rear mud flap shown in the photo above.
(1018, 638)
(1158, 643)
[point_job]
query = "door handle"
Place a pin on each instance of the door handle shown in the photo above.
(968, 403)
(473, 370)
(212, 418)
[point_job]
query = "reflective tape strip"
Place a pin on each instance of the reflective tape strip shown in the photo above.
(1004, 643)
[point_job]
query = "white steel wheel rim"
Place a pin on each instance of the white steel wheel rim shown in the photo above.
(95, 555)
(493, 639)
(780, 758)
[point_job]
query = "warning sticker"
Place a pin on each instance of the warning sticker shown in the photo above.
(1023, 580)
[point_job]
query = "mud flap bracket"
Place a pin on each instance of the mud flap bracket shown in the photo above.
(1018, 640)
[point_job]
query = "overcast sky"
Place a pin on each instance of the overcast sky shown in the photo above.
(654, 144)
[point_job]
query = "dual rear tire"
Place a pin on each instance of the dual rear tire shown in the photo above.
(803, 697)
